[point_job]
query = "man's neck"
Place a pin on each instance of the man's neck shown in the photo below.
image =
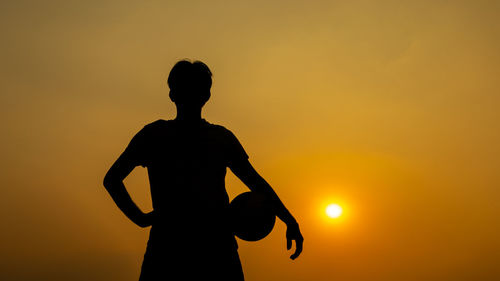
(188, 117)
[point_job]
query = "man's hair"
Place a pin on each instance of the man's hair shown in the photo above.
(187, 76)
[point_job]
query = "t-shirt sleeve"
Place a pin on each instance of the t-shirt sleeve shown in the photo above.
(234, 150)
(137, 152)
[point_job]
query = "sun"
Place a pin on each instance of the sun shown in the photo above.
(333, 211)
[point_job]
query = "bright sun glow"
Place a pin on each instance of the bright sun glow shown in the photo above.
(334, 210)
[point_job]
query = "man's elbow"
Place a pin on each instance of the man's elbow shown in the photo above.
(108, 181)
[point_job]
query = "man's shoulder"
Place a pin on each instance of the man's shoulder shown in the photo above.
(217, 128)
(158, 123)
(233, 147)
(155, 125)
(225, 135)
(152, 129)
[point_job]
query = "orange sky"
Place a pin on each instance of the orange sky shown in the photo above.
(389, 108)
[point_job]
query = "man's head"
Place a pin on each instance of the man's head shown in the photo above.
(190, 83)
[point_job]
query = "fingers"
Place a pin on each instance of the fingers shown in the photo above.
(298, 249)
(293, 233)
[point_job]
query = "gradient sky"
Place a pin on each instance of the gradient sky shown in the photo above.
(389, 108)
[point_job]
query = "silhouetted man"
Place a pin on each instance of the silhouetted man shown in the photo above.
(186, 158)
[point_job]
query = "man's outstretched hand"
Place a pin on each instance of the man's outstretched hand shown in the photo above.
(293, 233)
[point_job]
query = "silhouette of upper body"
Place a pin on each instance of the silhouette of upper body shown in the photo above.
(186, 158)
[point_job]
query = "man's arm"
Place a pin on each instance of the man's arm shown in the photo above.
(113, 182)
(247, 174)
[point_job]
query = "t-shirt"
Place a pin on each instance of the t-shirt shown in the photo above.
(186, 168)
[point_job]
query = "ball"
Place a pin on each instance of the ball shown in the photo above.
(252, 216)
